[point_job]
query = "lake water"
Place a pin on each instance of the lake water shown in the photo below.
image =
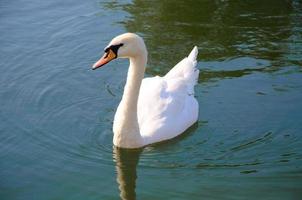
(56, 113)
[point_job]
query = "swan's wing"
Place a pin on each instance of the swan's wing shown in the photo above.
(157, 98)
(165, 109)
(166, 105)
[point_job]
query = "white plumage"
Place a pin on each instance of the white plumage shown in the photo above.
(166, 105)
(158, 108)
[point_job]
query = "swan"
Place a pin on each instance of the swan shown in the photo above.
(152, 109)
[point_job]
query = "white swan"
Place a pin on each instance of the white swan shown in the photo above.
(152, 109)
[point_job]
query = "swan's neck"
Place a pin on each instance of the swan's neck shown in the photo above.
(125, 127)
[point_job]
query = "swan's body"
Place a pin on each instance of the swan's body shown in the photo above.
(152, 109)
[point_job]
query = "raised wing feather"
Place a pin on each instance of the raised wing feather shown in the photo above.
(186, 69)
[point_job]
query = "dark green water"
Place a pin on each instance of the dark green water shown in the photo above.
(56, 114)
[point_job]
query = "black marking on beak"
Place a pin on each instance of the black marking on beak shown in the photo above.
(114, 48)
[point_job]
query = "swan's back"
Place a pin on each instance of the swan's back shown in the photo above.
(166, 105)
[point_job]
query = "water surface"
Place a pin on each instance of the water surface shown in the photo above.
(56, 114)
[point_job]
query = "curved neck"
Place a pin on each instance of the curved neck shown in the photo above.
(126, 128)
(134, 78)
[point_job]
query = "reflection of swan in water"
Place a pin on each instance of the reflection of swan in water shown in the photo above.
(127, 159)
(126, 162)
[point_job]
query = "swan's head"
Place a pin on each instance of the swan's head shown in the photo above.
(126, 45)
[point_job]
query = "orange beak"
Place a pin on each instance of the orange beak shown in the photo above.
(106, 58)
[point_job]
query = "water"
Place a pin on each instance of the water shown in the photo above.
(56, 114)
